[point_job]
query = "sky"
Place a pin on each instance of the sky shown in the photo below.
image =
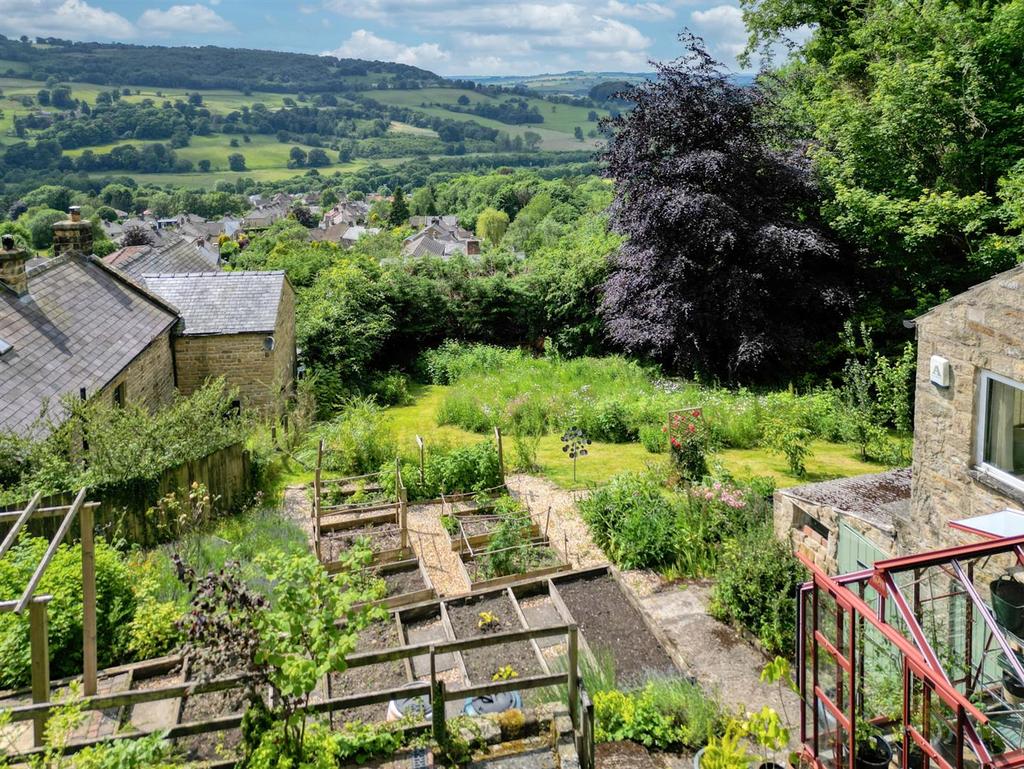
(450, 37)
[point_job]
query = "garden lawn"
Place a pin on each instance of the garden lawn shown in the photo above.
(606, 460)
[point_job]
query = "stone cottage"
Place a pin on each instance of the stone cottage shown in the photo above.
(73, 325)
(239, 325)
(968, 457)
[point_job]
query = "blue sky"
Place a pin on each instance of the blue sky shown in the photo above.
(451, 37)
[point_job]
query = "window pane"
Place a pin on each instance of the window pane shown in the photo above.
(1004, 428)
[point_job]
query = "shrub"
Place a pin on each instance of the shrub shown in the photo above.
(666, 713)
(689, 442)
(466, 468)
(755, 588)
(325, 748)
(792, 441)
(709, 516)
(115, 608)
(633, 521)
(359, 440)
(391, 389)
(653, 438)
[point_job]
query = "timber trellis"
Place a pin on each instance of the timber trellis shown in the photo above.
(37, 604)
(581, 708)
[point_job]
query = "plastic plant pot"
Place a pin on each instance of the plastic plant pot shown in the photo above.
(1012, 688)
(1008, 603)
(874, 753)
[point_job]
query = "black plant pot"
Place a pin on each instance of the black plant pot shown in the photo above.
(873, 754)
(1008, 603)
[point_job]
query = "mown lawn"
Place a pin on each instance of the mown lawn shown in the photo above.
(605, 460)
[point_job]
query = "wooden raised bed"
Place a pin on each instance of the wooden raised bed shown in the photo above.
(388, 541)
(407, 582)
(475, 529)
(549, 563)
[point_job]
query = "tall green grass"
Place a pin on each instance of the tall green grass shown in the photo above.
(612, 399)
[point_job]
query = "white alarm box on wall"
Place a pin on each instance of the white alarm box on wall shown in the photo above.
(941, 372)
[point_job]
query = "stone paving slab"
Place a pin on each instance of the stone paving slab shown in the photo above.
(720, 659)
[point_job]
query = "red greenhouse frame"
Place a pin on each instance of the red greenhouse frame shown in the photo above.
(909, 652)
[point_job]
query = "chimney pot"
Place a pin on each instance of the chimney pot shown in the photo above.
(8, 241)
(76, 213)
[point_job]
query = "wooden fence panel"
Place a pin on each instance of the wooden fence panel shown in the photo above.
(130, 510)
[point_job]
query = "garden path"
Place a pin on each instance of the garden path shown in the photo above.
(298, 508)
(431, 544)
(566, 530)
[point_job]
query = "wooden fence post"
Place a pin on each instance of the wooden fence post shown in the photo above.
(316, 498)
(437, 709)
(574, 673)
(419, 444)
(39, 636)
(403, 503)
(85, 518)
(501, 454)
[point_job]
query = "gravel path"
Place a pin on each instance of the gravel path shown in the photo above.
(431, 544)
(566, 530)
(297, 507)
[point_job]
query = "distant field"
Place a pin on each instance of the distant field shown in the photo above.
(558, 118)
(262, 152)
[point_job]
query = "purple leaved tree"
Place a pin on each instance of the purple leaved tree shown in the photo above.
(726, 271)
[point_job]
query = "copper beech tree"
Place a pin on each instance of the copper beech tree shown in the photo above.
(725, 271)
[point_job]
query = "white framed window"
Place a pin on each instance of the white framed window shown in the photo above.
(1000, 439)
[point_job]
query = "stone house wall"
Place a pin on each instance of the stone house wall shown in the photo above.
(813, 529)
(262, 377)
(149, 379)
(980, 330)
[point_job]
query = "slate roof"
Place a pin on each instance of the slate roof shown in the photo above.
(176, 255)
(221, 302)
(79, 326)
(877, 498)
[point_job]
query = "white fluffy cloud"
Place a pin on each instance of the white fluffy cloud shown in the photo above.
(525, 36)
(192, 19)
(62, 18)
(723, 26)
(78, 20)
(363, 44)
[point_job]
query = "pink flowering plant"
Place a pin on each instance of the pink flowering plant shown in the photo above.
(689, 440)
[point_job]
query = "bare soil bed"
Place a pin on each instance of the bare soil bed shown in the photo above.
(482, 664)
(609, 622)
(370, 678)
(406, 581)
(381, 536)
(200, 707)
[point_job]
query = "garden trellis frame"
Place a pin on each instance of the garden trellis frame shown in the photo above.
(924, 618)
(37, 604)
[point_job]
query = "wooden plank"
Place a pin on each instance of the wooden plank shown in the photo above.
(396, 601)
(513, 578)
(62, 532)
(344, 524)
(406, 661)
(526, 626)
(512, 685)
(128, 698)
(573, 672)
(39, 637)
(20, 521)
(496, 639)
(449, 631)
(369, 507)
(89, 653)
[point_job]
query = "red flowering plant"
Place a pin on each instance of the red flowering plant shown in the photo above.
(689, 440)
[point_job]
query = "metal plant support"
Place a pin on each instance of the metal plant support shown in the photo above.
(574, 443)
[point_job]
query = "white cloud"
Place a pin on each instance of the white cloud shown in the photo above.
(363, 44)
(523, 36)
(723, 26)
(639, 11)
(74, 19)
(178, 19)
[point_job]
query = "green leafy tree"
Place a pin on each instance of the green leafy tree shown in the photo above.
(422, 202)
(491, 225)
(236, 161)
(40, 225)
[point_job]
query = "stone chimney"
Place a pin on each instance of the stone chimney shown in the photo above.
(12, 266)
(73, 234)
